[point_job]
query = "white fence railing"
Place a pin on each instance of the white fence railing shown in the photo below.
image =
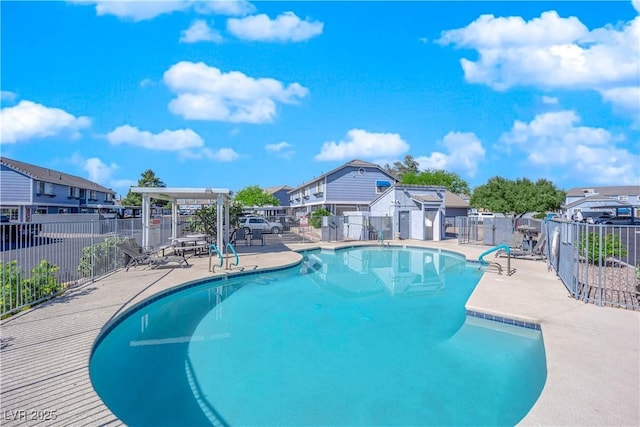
(43, 259)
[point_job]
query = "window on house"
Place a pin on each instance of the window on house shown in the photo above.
(83, 193)
(92, 195)
(12, 213)
(623, 198)
(307, 192)
(108, 197)
(382, 186)
(45, 188)
(74, 192)
(319, 188)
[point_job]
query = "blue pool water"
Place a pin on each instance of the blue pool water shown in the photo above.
(361, 336)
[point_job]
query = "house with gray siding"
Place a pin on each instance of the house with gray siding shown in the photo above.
(601, 199)
(26, 190)
(350, 187)
(281, 193)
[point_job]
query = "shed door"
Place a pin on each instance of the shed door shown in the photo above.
(404, 224)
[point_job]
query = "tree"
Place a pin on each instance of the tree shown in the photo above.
(255, 196)
(148, 178)
(399, 169)
(451, 180)
(205, 219)
(517, 197)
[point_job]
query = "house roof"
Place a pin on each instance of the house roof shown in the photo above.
(595, 199)
(49, 175)
(426, 199)
(452, 200)
(273, 190)
(353, 163)
(605, 191)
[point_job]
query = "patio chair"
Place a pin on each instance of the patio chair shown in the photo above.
(140, 256)
(257, 235)
(239, 236)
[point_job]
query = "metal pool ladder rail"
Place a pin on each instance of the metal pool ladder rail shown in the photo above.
(495, 264)
(214, 249)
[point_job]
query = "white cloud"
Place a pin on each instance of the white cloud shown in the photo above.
(99, 172)
(464, 151)
(226, 7)
(167, 140)
(141, 10)
(636, 5)
(5, 95)
(29, 120)
(200, 31)
(286, 27)
(274, 148)
(363, 144)
(206, 93)
(625, 98)
(137, 10)
(549, 52)
(550, 100)
(280, 149)
(147, 83)
(555, 141)
(221, 155)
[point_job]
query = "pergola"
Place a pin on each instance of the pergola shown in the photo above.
(222, 197)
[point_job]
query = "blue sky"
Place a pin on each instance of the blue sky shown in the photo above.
(231, 94)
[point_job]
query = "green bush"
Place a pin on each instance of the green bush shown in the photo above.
(18, 291)
(316, 217)
(100, 258)
(611, 247)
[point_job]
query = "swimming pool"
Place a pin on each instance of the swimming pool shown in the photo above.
(359, 336)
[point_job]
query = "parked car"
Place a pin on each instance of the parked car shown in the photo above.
(482, 215)
(258, 223)
(12, 230)
(619, 220)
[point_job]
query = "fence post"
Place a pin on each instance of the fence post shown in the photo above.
(93, 254)
(600, 266)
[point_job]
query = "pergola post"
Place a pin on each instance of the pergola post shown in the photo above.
(146, 218)
(174, 218)
(220, 240)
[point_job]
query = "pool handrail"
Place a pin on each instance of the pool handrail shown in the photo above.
(233, 250)
(214, 248)
(503, 247)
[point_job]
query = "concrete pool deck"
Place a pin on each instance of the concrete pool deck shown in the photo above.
(593, 353)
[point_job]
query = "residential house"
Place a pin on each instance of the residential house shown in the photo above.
(418, 211)
(350, 187)
(281, 193)
(624, 199)
(26, 190)
(455, 205)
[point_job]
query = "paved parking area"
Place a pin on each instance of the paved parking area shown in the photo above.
(593, 355)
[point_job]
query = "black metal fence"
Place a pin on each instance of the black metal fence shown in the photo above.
(597, 263)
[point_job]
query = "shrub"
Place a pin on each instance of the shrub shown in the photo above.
(97, 258)
(611, 247)
(316, 217)
(18, 291)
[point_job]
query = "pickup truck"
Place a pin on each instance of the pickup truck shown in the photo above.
(12, 231)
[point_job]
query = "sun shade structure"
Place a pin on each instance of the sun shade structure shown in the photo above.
(222, 196)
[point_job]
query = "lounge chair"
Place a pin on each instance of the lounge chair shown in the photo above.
(257, 235)
(139, 256)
